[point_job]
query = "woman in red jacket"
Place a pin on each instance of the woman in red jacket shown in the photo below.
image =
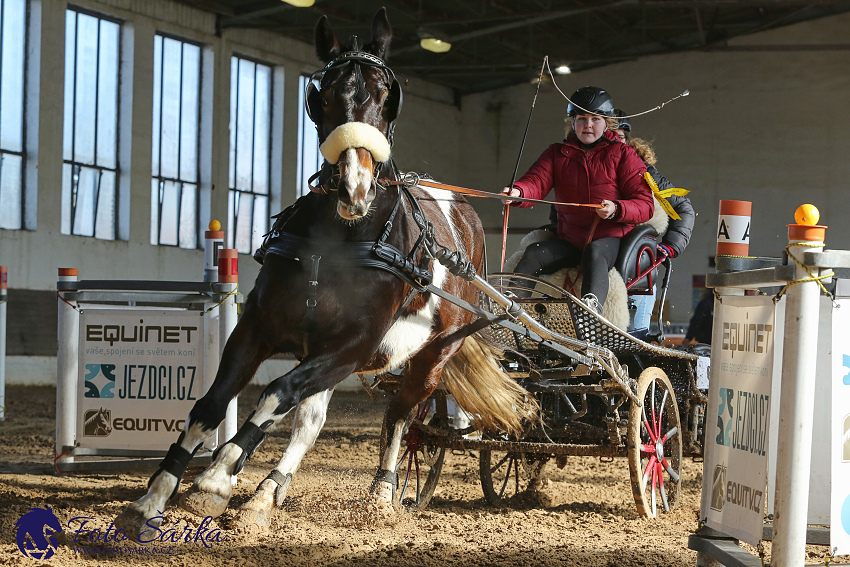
(590, 166)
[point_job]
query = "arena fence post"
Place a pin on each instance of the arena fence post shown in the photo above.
(227, 286)
(796, 409)
(3, 298)
(67, 333)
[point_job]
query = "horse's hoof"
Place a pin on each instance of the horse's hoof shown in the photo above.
(383, 492)
(252, 520)
(136, 527)
(203, 504)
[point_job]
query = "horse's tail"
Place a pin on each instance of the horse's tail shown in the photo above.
(483, 389)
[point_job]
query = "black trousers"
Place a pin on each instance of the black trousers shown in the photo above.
(596, 261)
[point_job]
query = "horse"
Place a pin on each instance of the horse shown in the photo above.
(348, 284)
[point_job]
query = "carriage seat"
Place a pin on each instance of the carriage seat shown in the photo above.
(638, 251)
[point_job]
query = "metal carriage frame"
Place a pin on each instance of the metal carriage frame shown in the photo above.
(601, 392)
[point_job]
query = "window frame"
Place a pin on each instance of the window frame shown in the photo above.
(235, 194)
(21, 154)
(76, 166)
(156, 219)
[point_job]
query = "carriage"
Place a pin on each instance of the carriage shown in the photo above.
(600, 392)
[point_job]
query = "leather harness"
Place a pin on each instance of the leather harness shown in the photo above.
(378, 254)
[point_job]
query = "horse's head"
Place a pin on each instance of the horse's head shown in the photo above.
(354, 110)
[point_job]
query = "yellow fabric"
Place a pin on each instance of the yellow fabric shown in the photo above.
(662, 196)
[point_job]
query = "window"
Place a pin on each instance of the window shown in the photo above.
(90, 146)
(12, 49)
(309, 157)
(176, 114)
(250, 153)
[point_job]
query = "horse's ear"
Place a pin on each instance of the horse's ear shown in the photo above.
(382, 33)
(327, 46)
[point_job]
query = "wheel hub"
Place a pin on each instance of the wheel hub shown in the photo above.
(659, 450)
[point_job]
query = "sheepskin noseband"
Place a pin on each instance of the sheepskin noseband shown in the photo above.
(355, 135)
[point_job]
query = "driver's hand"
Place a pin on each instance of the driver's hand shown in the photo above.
(511, 192)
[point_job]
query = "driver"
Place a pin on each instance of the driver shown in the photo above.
(589, 166)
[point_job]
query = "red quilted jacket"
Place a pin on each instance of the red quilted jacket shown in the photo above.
(610, 170)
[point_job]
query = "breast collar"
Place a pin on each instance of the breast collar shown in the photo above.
(378, 254)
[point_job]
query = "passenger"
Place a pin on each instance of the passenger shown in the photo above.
(678, 234)
(590, 166)
(700, 327)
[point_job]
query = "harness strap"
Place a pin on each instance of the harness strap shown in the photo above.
(308, 323)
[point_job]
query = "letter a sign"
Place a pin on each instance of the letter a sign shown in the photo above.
(733, 228)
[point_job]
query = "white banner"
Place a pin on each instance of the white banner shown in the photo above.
(140, 372)
(840, 501)
(737, 416)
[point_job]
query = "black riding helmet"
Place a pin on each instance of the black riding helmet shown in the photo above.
(591, 99)
(624, 123)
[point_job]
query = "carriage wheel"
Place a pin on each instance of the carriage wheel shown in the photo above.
(421, 463)
(655, 444)
(504, 474)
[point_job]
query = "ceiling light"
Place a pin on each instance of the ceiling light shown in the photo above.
(434, 44)
(563, 70)
(300, 3)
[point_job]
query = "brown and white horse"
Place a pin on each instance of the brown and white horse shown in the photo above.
(325, 294)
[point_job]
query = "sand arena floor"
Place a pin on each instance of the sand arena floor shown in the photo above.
(585, 515)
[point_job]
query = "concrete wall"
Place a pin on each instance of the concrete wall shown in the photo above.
(764, 123)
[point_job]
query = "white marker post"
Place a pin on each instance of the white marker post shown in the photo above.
(228, 282)
(796, 404)
(733, 228)
(68, 334)
(213, 242)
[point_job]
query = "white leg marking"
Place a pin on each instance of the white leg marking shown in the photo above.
(141, 514)
(212, 489)
(384, 490)
(309, 419)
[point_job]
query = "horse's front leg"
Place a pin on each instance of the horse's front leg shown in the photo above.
(309, 419)
(239, 363)
(210, 493)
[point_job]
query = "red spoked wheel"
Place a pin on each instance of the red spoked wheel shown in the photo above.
(421, 463)
(655, 444)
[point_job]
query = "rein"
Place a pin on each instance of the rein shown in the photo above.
(416, 180)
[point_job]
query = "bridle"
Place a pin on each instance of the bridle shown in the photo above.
(327, 177)
(312, 96)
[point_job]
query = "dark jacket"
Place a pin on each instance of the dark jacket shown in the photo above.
(608, 170)
(702, 320)
(678, 231)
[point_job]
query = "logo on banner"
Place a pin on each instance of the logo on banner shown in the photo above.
(97, 423)
(100, 380)
(36, 533)
(718, 488)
